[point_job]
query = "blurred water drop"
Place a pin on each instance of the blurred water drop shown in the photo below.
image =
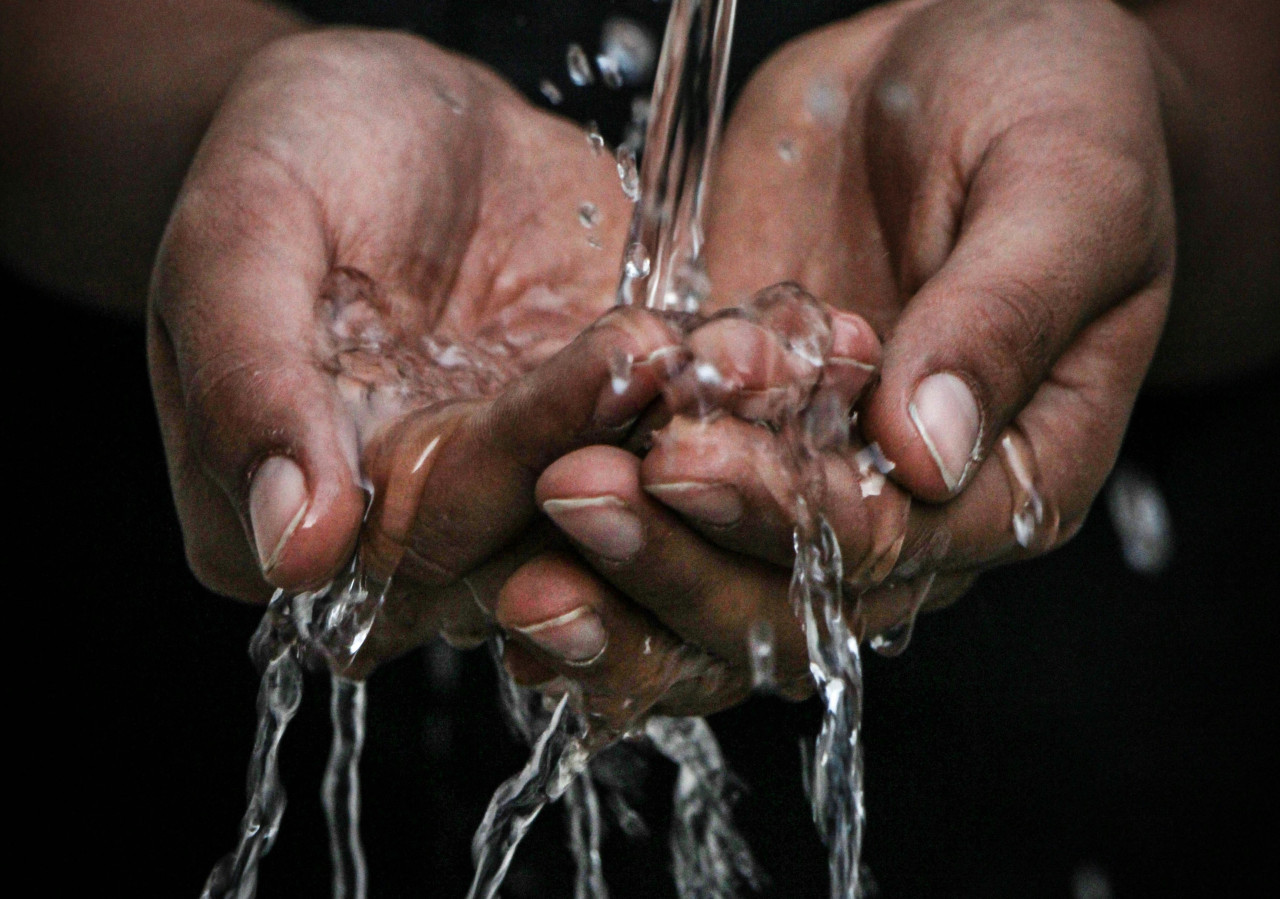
(787, 151)
(1089, 881)
(1141, 519)
(629, 50)
(620, 368)
(588, 215)
(579, 66)
(553, 94)
(609, 72)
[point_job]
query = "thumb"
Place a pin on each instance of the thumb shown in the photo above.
(1054, 232)
(243, 399)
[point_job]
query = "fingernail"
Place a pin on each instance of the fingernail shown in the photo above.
(277, 503)
(577, 637)
(846, 335)
(716, 504)
(947, 417)
(602, 524)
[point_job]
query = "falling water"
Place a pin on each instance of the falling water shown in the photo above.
(340, 792)
(325, 628)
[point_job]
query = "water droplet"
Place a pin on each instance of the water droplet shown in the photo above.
(872, 467)
(1141, 520)
(552, 93)
(620, 365)
(824, 100)
(637, 263)
(787, 150)
(896, 98)
(588, 215)
(579, 66)
(629, 173)
(595, 139)
(594, 242)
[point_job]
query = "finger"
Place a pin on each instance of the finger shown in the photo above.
(453, 486)
(1056, 228)
(234, 297)
(1035, 490)
(708, 597)
(733, 483)
(748, 368)
(564, 621)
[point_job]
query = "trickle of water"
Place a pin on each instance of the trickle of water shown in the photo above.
(279, 694)
(893, 641)
(710, 859)
(620, 367)
(340, 792)
(582, 802)
(762, 652)
(1035, 521)
(579, 66)
(1141, 520)
(559, 757)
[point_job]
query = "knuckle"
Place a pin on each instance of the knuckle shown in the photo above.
(1020, 323)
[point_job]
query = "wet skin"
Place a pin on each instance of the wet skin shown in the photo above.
(1005, 225)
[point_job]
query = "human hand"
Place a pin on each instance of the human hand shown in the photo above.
(987, 183)
(366, 281)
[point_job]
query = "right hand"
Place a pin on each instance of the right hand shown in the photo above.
(358, 196)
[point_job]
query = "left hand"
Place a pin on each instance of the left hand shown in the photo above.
(987, 183)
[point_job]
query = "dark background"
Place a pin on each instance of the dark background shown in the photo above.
(1069, 716)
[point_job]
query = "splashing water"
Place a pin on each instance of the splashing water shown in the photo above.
(325, 627)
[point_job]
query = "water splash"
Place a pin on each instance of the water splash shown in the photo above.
(324, 628)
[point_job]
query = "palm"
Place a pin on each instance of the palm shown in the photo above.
(374, 239)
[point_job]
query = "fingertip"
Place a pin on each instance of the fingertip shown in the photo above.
(591, 471)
